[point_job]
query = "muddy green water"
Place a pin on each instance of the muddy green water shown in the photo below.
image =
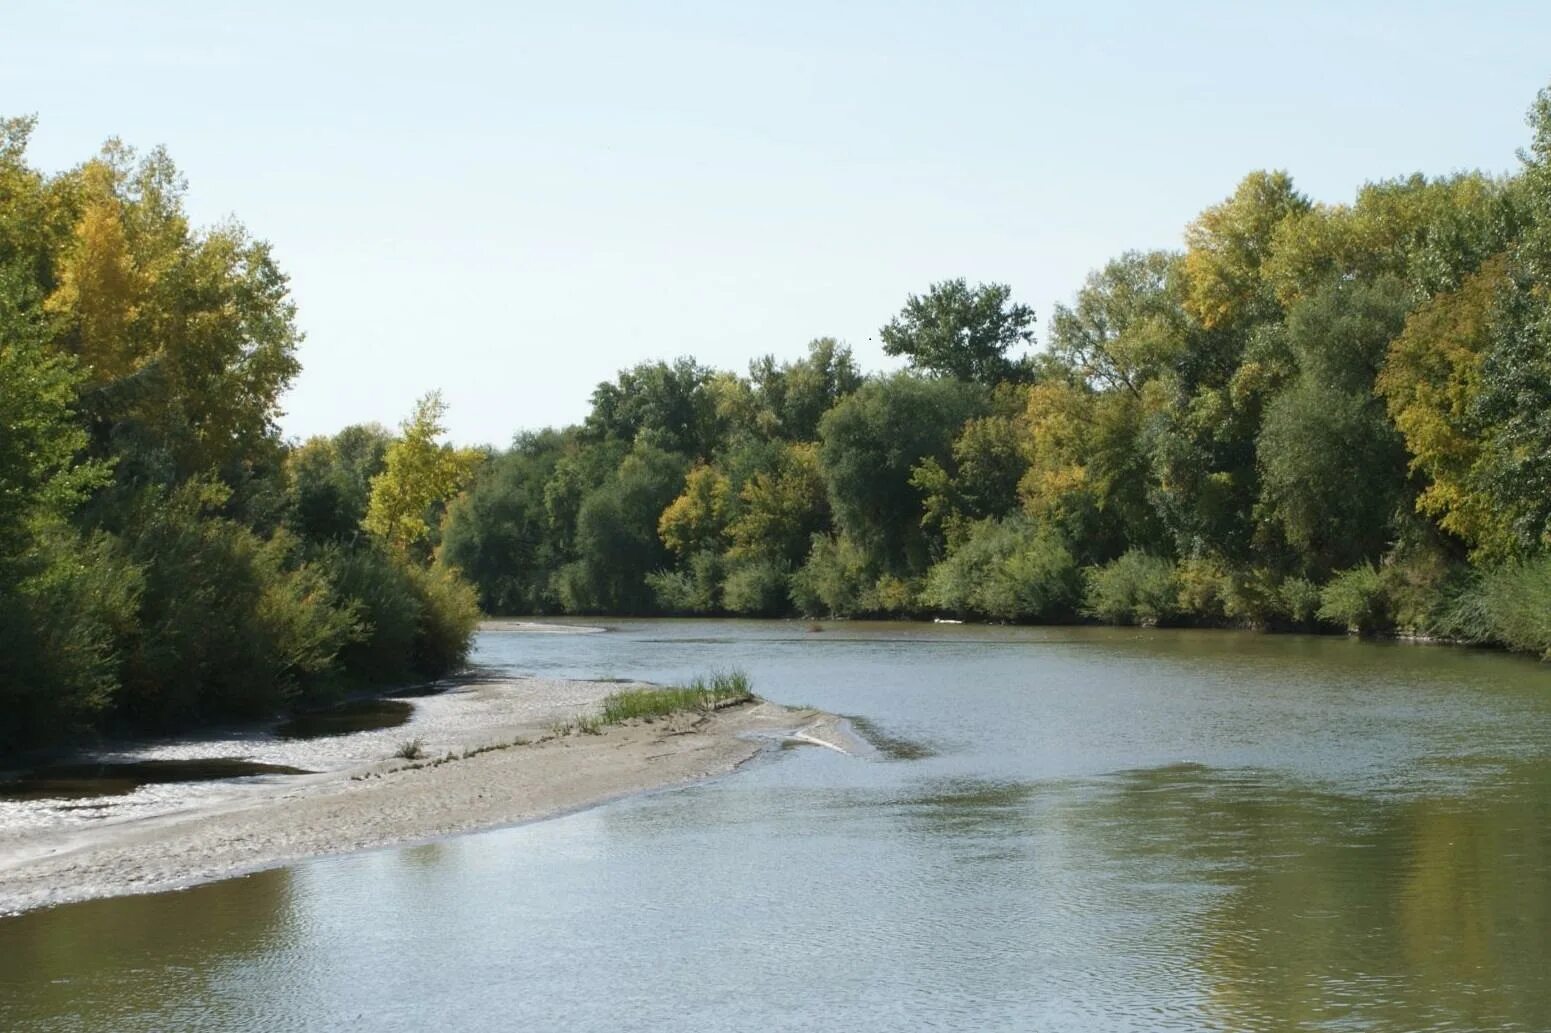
(1067, 829)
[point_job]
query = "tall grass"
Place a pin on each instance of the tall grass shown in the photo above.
(1509, 606)
(702, 695)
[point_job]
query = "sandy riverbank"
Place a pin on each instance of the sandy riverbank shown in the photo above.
(362, 803)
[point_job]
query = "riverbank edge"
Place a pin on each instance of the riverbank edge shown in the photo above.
(476, 782)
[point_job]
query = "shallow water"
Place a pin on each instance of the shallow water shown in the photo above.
(1063, 829)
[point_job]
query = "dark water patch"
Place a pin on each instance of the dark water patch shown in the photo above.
(367, 715)
(892, 746)
(420, 691)
(79, 781)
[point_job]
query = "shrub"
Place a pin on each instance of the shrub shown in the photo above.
(889, 594)
(1299, 599)
(378, 588)
(693, 589)
(1509, 606)
(1204, 589)
(1137, 588)
(833, 580)
(228, 624)
(756, 588)
(1356, 598)
(64, 615)
(1010, 569)
(449, 613)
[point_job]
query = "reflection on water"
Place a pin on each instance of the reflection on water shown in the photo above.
(366, 715)
(1111, 830)
(1339, 912)
(190, 944)
(80, 781)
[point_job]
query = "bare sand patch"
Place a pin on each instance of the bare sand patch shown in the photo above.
(469, 777)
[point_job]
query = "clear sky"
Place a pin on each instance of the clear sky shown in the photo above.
(512, 201)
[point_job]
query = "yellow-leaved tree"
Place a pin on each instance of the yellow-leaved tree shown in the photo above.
(420, 476)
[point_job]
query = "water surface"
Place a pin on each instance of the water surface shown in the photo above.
(1064, 829)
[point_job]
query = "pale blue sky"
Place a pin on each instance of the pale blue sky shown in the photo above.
(513, 201)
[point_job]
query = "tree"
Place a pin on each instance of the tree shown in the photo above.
(1515, 398)
(781, 509)
(667, 406)
(328, 481)
(498, 532)
(1227, 246)
(796, 395)
(1127, 326)
(962, 332)
(419, 476)
(186, 339)
(1327, 431)
(617, 544)
(697, 520)
(1431, 382)
(872, 441)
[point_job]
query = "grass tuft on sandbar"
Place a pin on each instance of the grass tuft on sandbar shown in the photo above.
(701, 695)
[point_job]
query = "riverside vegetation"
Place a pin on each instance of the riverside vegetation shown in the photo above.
(1315, 415)
(165, 557)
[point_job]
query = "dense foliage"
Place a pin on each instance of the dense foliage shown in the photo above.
(165, 557)
(1315, 415)
(1332, 415)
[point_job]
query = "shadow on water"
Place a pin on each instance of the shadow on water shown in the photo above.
(891, 746)
(76, 781)
(367, 715)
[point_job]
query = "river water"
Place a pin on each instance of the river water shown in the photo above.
(1063, 829)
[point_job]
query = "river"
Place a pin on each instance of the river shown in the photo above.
(1063, 829)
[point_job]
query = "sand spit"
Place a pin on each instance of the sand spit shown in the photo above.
(364, 803)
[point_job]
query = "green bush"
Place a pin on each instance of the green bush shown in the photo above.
(449, 613)
(1137, 588)
(891, 595)
(1508, 606)
(1204, 589)
(833, 581)
(1357, 599)
(756, 588)
(378, 590)
(1007, 569)
(692, 589)
(1299, 599)
(63, 617)
(229, 624)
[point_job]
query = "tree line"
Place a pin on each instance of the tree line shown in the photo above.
(1314, 415)
(166, 558)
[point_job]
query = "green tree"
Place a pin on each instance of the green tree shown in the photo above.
(872, 441)
(796, 395)
(955, 330)
(498, 533)
(328, 482)
(1127, 327)
(1327, 431)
